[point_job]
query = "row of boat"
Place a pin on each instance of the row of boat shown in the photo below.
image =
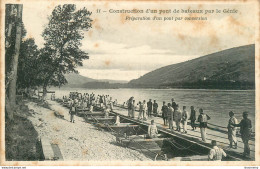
(132, 133)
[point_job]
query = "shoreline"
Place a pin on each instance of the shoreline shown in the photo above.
(229, 90)
(80, 140)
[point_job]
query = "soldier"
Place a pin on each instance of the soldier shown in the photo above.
(164, 114)
(203, 120)
(216, 153)
(192, 117)
(170, 116)
(185, 117)
(149, 107)
(177, 118)
(129, 106)
(245, 130)
(144, 110)
(72, 112)
(173, 104)
(133, 109)
(232, 131)
(140, 117)
(155, 107)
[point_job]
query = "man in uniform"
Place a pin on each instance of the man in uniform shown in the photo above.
(155, 107)
(174, 105)
(170, 116)
(133, 109)
(129, 106)
(164, 113)
(185, 117)
(149, 107)
(232, 130)
(177, 118)
(216, 153)
(192, 117)
(72, 112)
(203, 120)
(245, 130)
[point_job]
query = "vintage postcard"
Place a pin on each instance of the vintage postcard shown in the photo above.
(160, 83)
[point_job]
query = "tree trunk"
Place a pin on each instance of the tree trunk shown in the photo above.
(9, 29)
(14, 64)
(8, 109)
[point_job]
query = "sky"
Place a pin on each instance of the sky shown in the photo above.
(124, 50)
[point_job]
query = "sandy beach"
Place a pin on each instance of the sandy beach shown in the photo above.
(80, 140)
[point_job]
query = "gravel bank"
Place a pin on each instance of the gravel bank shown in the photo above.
(79, 141)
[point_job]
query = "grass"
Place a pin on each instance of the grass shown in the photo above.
(21, 139)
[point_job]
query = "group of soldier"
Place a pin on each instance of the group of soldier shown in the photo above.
(171, 114)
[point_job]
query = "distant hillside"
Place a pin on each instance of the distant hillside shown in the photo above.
(79, 81)
(228, 69)
(76, 80)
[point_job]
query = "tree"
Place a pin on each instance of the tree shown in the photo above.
(63, 36)
(14, 31)
(28, 66)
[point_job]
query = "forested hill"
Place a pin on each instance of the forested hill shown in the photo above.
(228, 69)
(79, 81)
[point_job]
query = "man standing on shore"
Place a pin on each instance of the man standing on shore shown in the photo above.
(149, 107)
(72, 112)
(245, 130)
(155, 108)
(232, 131)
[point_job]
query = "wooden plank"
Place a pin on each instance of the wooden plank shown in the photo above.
(47, 149)
(57, 153)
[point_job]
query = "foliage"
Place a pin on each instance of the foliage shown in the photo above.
(63, 36)
(28, 67)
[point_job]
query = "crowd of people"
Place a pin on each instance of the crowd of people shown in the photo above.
(85, 100)
(172, 115)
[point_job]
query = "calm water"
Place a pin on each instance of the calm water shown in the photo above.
(216, 103)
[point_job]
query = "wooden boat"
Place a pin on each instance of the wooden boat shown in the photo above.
(109, 120)
(122, 128)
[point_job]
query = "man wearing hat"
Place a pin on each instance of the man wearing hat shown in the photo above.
(232, 130)
(216, 153)
(245, 130)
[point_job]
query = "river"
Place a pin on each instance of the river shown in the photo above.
(215, 103)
